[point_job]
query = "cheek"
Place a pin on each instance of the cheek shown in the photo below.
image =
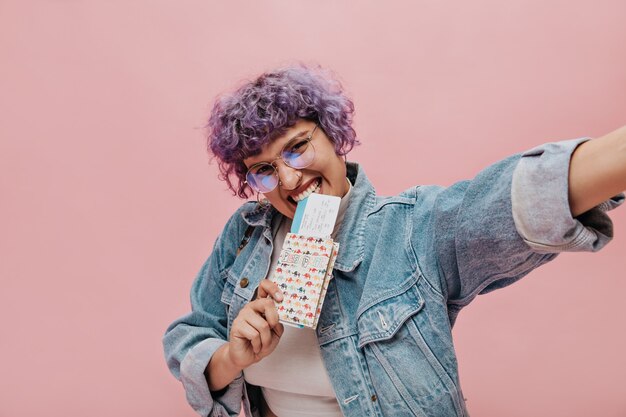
(334, 166)
(329, 162)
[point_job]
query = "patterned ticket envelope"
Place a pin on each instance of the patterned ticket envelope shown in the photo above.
(303, 270)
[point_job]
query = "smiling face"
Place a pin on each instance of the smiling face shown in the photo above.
(325, 175)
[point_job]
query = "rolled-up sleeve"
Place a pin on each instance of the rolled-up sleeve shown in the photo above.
(540, 205)
(514, 216)
(225, 403)
(190, 341)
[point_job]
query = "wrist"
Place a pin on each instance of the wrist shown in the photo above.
(221, 370)
(228, 361)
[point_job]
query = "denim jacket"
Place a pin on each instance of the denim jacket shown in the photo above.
(406, 266)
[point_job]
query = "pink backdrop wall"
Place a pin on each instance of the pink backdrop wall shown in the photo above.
(108, 206)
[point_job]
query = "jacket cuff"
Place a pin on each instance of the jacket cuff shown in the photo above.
(540, 204)
(206, 403)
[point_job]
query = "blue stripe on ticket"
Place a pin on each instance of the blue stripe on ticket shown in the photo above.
(297, 218)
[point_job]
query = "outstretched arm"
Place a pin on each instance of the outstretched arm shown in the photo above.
(597, 171)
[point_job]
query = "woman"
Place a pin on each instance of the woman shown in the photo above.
(406, 265)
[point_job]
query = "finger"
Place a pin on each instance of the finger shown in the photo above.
(248, 332)
(263, 329)
(259, 306)
(266, 308)
(268, 288)
(271, 315)
(278, 330)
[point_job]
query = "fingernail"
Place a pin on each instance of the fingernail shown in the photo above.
(278, 296)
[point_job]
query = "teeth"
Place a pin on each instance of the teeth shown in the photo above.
(313, 188)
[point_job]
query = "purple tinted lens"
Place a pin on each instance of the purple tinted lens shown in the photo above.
(264, 180)
(299, 155)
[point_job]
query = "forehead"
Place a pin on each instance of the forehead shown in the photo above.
(271, 151)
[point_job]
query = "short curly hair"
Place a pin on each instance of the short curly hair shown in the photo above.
(243, 122)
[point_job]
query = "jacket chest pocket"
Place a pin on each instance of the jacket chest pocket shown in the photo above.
(403, 366)
(383, 320)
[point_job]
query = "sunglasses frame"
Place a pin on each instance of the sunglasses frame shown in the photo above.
(280, 156)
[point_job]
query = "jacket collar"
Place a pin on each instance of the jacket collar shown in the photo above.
(259, 215)
(351, 233)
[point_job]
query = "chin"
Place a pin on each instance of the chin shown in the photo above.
(288, 210)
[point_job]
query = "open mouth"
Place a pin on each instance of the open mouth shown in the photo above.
(314, 187)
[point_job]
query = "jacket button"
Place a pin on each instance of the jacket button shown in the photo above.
(244, 282)
(374, 398)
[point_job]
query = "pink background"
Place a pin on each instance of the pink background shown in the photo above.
(109, 206)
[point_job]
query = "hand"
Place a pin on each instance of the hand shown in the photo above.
(255, 332)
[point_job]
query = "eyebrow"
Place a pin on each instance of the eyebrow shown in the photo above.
(303, 133)
(298, 135)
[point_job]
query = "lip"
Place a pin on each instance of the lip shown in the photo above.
(303, 187)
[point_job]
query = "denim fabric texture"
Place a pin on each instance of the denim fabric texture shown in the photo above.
(406, 267)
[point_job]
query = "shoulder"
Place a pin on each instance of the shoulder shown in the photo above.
(246, 209)
(234, 230)
(236, 221)
(420, 197)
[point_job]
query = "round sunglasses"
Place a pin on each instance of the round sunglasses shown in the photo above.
(298, 153)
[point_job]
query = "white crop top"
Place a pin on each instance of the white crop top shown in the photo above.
(293, 377)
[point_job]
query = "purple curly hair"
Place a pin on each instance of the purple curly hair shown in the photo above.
(242, 123)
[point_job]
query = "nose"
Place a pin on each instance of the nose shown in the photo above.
(289, 177)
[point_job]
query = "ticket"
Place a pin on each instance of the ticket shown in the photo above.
(316, 215)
